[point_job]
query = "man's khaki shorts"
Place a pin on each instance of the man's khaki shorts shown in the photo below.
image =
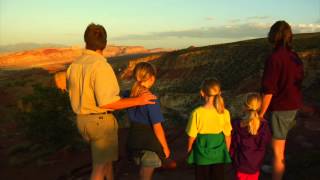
(102, 133)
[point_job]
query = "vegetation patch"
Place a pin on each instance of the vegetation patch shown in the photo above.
(46, 118)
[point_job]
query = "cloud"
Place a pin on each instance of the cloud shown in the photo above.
(251, 18)
(234, 20)
(306, 28)
(209, 18)
(258, 17)
(237, 31)
(228, 31)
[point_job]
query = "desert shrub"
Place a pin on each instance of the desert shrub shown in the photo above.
(20, 82)
(48, 118)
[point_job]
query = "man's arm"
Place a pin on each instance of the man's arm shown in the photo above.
(104, 93)
(145, 98)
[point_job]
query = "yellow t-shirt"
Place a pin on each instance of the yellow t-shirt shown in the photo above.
(91, 83)
(208, 121)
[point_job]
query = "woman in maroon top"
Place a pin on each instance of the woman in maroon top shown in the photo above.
(281, 86)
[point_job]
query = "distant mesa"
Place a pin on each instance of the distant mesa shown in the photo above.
(56, 58)
(27, 46)
(191, 47)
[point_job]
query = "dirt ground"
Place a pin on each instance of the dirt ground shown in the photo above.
(303, 152)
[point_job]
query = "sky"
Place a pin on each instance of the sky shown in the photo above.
(151, 23)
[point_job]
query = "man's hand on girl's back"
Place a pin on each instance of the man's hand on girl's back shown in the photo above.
(147, 98)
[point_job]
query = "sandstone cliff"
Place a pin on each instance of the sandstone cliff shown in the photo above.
(55, 59)
(238, 66)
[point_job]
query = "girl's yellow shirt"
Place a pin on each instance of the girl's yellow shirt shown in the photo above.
(208, 121)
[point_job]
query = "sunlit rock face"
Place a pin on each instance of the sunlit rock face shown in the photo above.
(239, 67)
(56, 59)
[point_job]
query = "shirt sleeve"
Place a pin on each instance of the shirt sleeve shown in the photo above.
(227, 124)
(105, 84)
(154, 113)
(192, 129)
(270, 75)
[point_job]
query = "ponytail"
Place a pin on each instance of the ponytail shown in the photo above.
(142, 72)
(253, 122)
(211, 87)
(218, 103)
(136, 89)
(252, 119)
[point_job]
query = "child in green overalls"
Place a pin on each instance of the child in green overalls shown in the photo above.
(209, 131)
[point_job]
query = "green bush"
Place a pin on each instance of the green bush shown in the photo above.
(48, 118)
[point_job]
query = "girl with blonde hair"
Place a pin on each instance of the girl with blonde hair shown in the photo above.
(146, 143)
(250, 137)
(209, 131)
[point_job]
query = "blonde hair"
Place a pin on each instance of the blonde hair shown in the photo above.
(252, 119)
(142, 72)
(212, 87)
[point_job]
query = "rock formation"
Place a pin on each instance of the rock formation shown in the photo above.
(238, 66)
(55, 59)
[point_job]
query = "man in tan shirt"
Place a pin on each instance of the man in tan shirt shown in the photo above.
(94, 94)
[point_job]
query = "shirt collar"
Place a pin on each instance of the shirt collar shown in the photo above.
(91, 52)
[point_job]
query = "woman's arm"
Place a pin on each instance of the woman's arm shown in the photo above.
(266, 99)
(269, 84)
(159, 132)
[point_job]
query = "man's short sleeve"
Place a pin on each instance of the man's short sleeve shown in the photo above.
(105, 84)
(154, 113)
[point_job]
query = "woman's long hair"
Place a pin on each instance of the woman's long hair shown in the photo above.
(280, 34)
(212, 87)
(142, 72)
(252, 119)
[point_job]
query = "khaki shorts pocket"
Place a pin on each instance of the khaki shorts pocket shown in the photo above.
(95, 127)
